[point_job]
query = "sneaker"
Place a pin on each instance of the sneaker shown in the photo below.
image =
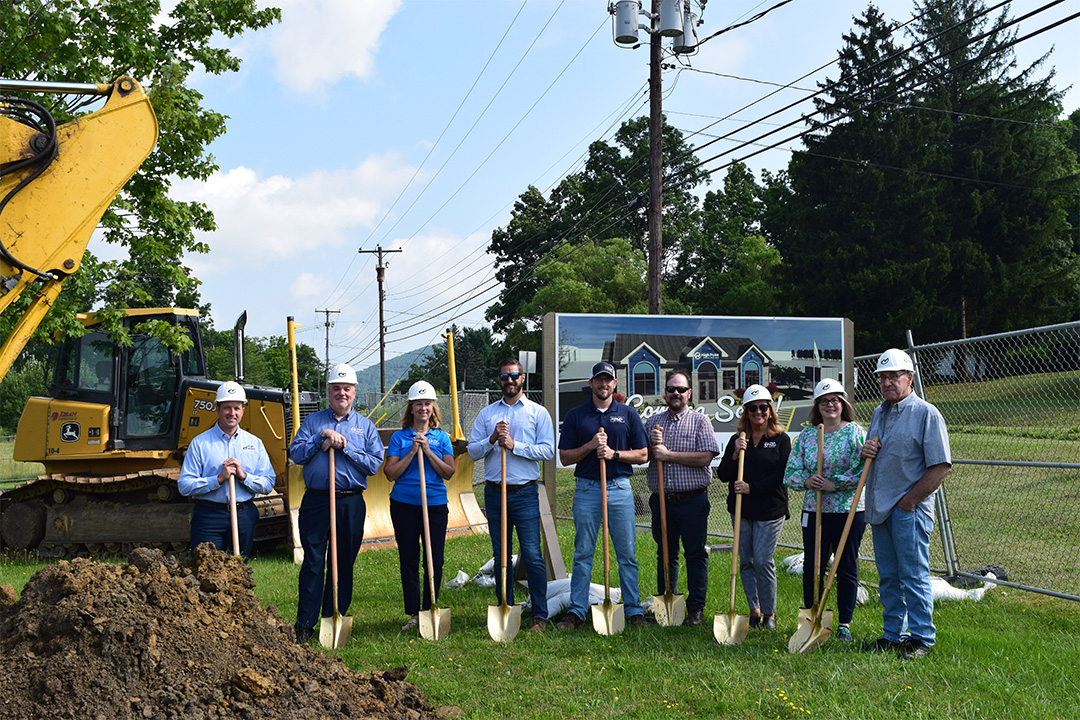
(695, 617)
(844, 633)
(768, 623)
(538, 625)
(914, 650)
(304, 635)
(570, 622)
(882, 645)
(411, 623)
(637, 621)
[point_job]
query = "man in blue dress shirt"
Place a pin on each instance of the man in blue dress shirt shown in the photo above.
(524, 430)
(223, 450)
(358, 453)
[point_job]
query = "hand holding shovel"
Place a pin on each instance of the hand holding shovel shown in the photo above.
(234, 525)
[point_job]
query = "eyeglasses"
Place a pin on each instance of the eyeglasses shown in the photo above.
(677, 389)
(757, 409)
(510, 376)
(829, 401)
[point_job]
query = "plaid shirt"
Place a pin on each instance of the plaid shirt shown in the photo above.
(688, 431)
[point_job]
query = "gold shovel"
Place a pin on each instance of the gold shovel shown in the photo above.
(334, 631)
(232, 517)
(729, 628)
(434, 623)
(608, 618)
(816, 630)
(504, 621)
(808, 617)
(669, 608)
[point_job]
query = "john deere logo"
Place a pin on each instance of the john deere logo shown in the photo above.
(70, 432)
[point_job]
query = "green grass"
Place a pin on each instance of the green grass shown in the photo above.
(9, 469)
(1013, 651)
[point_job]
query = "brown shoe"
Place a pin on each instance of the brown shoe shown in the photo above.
(570, 622)
(538, 625)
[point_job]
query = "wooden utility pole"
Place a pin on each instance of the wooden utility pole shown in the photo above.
(656, 169)
(379, 275)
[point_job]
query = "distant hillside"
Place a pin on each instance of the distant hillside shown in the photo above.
(367, 380)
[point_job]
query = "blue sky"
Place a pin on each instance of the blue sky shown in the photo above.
(415, 124)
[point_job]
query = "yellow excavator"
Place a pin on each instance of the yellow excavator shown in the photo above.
(112, 434)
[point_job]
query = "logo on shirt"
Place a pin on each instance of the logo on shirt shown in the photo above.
(617, 419)
(249, 447)
(769, 444)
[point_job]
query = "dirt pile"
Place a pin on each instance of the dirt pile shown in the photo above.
(158, 638)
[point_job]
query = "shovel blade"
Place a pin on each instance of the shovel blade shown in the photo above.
(334, 631)
(669, 609)
(504, 622)
(608, 618)
(811, 632)
(435, 623)
(730, 629)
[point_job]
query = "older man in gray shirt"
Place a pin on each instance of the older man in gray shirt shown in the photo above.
(910, 448)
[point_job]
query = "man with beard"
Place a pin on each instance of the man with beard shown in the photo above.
(523, 430)
(603, 429)
(685, 442)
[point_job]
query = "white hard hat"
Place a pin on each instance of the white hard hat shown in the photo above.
(893, 360)
(421, 390)
(230, 390)
(341, 374)
(756, 392)
(828, 386)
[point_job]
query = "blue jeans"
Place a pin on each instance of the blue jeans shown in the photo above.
(757, 567)
(522, 512)
(902, 553)
(587, 522)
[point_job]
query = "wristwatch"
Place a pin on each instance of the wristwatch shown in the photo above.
(615, 457)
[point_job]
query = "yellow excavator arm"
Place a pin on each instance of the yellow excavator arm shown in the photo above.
(55, 184)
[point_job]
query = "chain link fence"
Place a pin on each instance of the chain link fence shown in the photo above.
(1012, 406)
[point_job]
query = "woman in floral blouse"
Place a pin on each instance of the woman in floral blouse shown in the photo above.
(842, 465)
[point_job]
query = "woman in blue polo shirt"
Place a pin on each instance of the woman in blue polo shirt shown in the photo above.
(419, 434)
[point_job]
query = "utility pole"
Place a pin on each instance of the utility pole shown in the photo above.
(656, 165)
(379, 275)
(328, 325)
(667, 19)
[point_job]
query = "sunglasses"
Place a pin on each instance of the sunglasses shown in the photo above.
(510, 376)
(681, 389)
(757, 409)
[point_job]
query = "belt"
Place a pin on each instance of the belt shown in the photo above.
(337, 493)
(676, 497)
(509, 487)
(223, 506)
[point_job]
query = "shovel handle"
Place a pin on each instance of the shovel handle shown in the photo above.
(333, 529)
(847, 529)
(233, 524)
(817, 516)
(663, 525)
(502, 528)
(604, 522)
(427, 531)
(736, 524)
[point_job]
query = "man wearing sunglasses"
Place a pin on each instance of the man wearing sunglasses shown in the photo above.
(684, 441)
(524, 430)
(602, 428)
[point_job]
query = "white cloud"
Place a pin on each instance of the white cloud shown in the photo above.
(309, 286)
(270, 219)
(319, 42)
